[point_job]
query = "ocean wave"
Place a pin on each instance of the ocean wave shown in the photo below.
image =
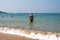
(39, 35)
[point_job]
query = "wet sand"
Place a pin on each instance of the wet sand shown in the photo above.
(4, 36)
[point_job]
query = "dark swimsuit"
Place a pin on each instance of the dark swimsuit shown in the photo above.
(31, 18)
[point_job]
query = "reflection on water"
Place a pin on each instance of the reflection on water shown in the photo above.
(30, 25)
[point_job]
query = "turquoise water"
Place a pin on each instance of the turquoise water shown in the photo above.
(42, 21)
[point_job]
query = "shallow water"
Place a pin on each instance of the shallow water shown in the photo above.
(42, 21)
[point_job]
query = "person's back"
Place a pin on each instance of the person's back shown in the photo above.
(31, 17)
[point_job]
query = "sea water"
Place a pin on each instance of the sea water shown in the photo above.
(47, 22)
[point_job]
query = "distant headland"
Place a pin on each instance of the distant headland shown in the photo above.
(2, 12)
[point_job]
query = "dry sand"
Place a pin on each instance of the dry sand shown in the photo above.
(4, 36)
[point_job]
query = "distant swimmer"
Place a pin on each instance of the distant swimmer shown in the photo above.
(2, 16)
(12, 16)
(31, 17)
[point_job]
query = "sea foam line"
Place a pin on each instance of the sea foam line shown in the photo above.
(31, 34)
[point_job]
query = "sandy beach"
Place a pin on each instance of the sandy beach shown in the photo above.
(4, 36)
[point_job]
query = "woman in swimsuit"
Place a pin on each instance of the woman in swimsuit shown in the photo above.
(31, 17)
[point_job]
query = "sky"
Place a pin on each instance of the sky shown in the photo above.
(27, 6)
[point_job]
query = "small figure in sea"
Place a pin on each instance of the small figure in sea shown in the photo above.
(31, 18)
(2, 16)
(12, 16)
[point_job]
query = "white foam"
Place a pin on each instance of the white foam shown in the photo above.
(31, 34)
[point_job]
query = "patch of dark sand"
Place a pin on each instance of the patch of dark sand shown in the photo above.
(4, 36)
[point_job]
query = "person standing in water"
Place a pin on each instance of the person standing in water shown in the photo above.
(31, 18)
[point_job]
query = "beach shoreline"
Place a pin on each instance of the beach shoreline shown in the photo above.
(4, 36)
(30, 34)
